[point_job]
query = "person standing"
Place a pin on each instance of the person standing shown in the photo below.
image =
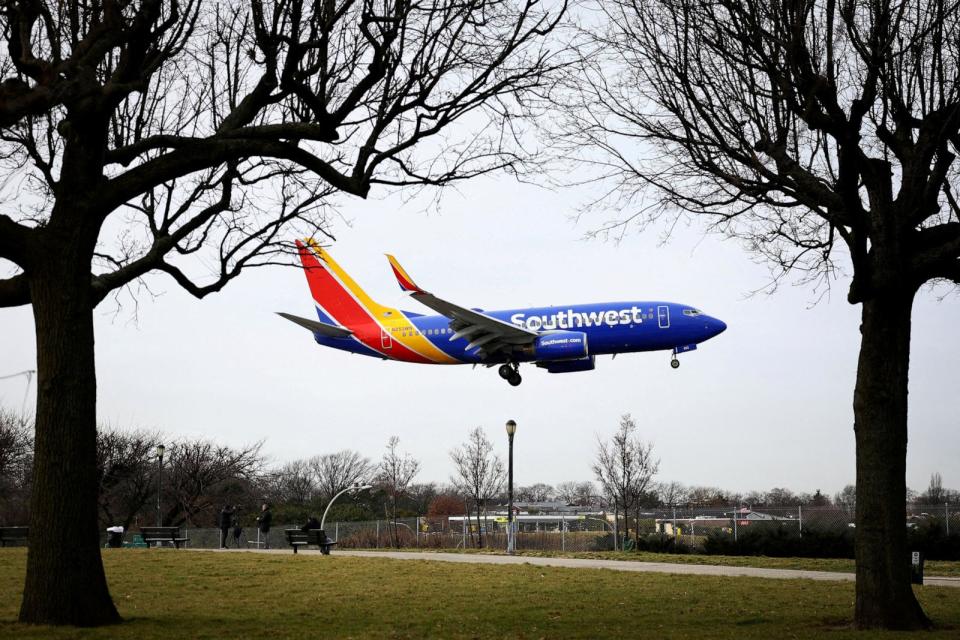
(263, 522)
(226, 521)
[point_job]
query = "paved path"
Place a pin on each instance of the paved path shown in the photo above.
(623, 565)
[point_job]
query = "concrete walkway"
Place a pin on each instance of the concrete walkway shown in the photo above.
(621, 565)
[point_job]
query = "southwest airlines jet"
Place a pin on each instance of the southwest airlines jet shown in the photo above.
(559, 339)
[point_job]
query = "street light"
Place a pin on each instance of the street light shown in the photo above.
(355, 487)
(511, 429)
(160, 450)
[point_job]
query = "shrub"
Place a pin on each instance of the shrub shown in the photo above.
(659, 543)
(782, 541)
(930, 537)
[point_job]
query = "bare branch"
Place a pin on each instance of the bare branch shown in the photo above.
(16, 241)
(788, 127)
(15, 291)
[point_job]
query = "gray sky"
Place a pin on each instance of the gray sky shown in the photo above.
(768, 403)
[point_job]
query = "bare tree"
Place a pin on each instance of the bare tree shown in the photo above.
(846, 498)
(671, 493)
(625, 467)
(395, 472)
(295, 482)
(935, 493)
(566, 491)
(334, 472)
(576, 493)
(16, 460)
(170, 136)
(706, 496)
(478, 473)
(422, 494)
(801, 126)
(780, 497)
(202, 475)
(127, 471)
(818, 500)
(539, 492)
(755, 498)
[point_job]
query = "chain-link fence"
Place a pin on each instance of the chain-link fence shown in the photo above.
(808, 531)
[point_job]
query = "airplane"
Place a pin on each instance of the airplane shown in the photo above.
(560, 339)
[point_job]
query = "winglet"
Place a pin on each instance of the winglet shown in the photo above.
(403, 279)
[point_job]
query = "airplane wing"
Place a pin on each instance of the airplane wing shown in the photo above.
(486, 334)
(324, 329)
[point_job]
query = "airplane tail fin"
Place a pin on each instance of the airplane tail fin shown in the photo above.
(339, 299)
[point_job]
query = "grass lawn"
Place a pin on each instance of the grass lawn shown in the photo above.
(949, 568)
(184, 594)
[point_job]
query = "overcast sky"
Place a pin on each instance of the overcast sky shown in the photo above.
(767, 403)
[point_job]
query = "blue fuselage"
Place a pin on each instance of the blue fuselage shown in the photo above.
(610, 328)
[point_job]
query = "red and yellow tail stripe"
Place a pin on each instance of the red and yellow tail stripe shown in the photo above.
(386, 330)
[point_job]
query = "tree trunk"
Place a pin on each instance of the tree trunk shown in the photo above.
(616, 525)
(884, 596)
(636, 547)
(65, 582)
(479, 528)
(396, 527)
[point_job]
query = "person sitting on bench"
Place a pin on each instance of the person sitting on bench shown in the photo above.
(312, 523)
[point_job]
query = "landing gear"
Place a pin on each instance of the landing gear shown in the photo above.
(510, 373)
(675, 363)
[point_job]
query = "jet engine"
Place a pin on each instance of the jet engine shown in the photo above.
(569, 366)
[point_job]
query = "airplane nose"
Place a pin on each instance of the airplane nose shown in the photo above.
(715, 326)
(719, 326)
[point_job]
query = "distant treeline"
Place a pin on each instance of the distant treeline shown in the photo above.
(200, 476)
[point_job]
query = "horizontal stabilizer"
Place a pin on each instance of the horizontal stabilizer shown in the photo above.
(322, 328)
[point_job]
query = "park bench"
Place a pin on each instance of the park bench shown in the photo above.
(297, 538)
(14, 535)
(162, 534)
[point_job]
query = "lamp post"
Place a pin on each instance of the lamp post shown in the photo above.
(511, 429)
(356, 487)
(160, 450)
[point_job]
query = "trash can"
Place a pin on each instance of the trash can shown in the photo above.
(916, 567)
(114, 537)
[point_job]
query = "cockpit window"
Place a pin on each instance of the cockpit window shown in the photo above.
(692, 312)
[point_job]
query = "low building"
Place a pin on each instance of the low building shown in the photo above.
(703, 524)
